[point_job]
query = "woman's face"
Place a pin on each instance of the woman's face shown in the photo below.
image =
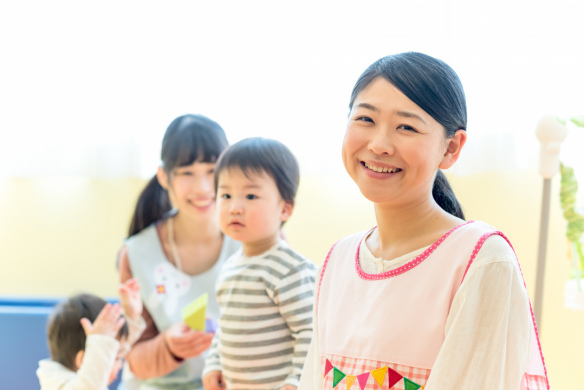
(392, 148)
(191, 189)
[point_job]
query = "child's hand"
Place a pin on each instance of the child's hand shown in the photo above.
(183, 342)
(108, 321)
(130, 298)
(286, 387)
(213, 380)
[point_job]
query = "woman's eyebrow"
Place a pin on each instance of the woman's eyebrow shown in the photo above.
(408, 114)
(367, 106)
(405, 114)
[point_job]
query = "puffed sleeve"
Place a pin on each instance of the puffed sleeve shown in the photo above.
(488, 329)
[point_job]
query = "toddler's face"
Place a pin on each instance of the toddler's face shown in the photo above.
(251, 209)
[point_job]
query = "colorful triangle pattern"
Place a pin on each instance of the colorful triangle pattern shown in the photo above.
(409, 385)
(328, 366)
(363, 379)
(338, 376)
(379, 375)
(349, 381)
(392, 377)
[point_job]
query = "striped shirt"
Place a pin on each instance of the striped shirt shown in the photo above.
(265, 326)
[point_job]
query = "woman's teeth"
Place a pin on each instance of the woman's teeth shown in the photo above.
(379, 169)
(201, 203)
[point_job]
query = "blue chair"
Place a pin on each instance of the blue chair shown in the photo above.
(23, 340)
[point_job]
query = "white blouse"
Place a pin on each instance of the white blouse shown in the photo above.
(491, 308)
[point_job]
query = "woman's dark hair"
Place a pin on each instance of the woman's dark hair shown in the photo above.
(436, 89)
(188, 138)
(65, 333)
(261, 155)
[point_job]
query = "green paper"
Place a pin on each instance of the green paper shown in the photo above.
(409, 385)
(338, 376)
(194, 313)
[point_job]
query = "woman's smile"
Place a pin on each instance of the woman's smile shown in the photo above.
(202, 204)
(380, 168)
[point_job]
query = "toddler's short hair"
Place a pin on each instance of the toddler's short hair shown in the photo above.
(65, 333)
(260, 155)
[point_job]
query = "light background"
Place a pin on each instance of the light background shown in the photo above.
(87, 90)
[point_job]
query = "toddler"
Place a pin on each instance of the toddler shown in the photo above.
(88, 339)
(265, 291)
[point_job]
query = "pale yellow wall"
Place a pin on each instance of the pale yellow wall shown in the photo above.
(60, 235)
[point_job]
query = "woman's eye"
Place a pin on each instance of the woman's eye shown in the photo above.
(408, 128)
(364, 119)
(211, 171)
(251, 196)
(226, 196)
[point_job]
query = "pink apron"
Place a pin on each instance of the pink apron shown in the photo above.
(356, 352)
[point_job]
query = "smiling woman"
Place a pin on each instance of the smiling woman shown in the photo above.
(456, 312)
(176, 256)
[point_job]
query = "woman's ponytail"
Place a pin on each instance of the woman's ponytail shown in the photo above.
(152, 204)
(444, 196)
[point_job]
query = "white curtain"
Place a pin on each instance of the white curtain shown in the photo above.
(88, 88)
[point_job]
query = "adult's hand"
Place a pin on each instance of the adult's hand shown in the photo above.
(130, 298)
(184, 343)
(213, 380)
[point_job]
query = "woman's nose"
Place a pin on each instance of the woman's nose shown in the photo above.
(382, 142)
(203, 185)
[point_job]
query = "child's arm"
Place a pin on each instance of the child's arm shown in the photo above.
(101, 349)
(98, 361)
(212, 377)
(487, 334)
(298, 319)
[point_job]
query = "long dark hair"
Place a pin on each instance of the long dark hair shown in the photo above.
(436, 89)
(188, 138)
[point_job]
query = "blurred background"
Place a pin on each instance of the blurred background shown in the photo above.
(87, 90)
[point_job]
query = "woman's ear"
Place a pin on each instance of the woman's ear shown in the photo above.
(162, 178)
(453, 147)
